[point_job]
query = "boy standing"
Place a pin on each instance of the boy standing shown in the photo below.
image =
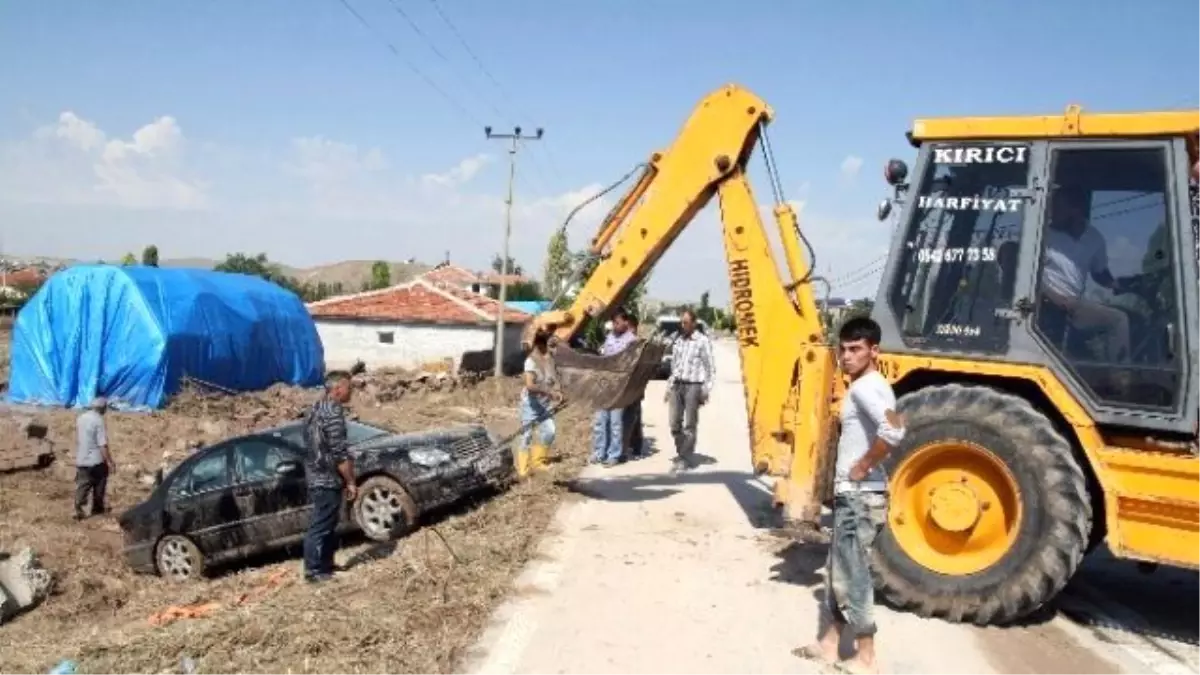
(870, 429)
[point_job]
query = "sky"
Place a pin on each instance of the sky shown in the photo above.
(291, 128)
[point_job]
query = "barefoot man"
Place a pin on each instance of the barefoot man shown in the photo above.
(870, 428)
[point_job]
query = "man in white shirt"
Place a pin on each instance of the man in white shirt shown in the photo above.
(1074, 252)
(688, 387)
(871, 427)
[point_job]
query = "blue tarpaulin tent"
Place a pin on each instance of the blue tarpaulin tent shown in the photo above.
(132, 333)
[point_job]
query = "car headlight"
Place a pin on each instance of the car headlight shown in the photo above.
(429, 456)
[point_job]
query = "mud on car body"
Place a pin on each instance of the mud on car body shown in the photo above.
(247, 494)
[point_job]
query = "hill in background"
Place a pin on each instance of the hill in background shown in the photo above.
(350, 273)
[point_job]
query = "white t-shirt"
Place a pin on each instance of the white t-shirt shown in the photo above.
(864, 418)
(1069, 261)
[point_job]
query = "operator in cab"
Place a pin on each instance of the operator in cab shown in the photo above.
(871, 427)
(1076, 251)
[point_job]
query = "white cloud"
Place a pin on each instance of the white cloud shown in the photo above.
(850, 166)
(460, 174)
(74, 162)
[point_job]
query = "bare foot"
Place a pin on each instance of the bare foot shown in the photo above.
(855, 666)
(816, 652)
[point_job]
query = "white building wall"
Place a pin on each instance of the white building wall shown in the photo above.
(412, 344)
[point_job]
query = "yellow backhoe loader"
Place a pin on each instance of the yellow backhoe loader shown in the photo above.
(1041, 421)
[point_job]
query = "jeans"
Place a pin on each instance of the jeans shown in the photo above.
(849, 591)
(684, 411)
(532, 409)
(320, 541)
(93, 479)
(606, 436)
(631, 423)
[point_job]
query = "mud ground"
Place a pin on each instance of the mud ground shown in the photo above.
(412, 607)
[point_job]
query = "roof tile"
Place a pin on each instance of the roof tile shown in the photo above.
(418, 301)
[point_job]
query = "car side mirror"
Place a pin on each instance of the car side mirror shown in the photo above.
(289, 468)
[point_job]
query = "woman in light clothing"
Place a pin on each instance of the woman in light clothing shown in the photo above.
(540, 393)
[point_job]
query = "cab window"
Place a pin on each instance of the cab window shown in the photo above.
(961, 240)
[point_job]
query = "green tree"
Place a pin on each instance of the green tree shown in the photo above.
(705, 311)
(593, 330)
(523, 291)
(260, 266)
(150, 256)
(513, 267)
(381, 275)
(558, 265)
(128, 259)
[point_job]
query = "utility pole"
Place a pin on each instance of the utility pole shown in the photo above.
(515, 138)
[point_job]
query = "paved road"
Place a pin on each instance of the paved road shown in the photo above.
(649, 572)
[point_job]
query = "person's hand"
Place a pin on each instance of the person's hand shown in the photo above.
(557, 396)
(112, 466)
(703, 398)
(858, 471)
(667, 395)
(351, 492)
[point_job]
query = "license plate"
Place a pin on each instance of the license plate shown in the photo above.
(488, 463)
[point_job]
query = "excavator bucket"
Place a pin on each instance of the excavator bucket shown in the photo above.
(607, 382)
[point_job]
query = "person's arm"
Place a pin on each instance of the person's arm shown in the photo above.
(710, 366)
(889, 428)
(102, 443)
(336, 437)
(1099, 265)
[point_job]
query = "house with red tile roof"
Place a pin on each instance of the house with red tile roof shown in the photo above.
(411, 325)
(484, 283)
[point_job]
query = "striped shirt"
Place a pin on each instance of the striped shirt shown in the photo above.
(692, 361)
(325, 429)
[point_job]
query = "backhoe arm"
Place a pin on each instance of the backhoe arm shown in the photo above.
(786, 365)
(677, 183)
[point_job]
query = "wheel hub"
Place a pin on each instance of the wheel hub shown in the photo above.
(954, 507)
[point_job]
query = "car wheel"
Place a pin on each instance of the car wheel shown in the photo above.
(178, 559)
(383, 509)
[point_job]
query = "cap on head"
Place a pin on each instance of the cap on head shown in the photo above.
(99, 403)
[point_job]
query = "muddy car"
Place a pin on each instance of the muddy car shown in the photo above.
(246, 495)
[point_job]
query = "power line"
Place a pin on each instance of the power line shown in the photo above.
(396, 52)
(462, 41)
(433, 47)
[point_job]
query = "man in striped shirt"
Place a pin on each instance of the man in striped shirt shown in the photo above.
(688, 388)
(329, 471)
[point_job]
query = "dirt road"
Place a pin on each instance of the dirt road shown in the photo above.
(649, 572)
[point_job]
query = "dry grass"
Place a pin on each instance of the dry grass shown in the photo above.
(416, 608)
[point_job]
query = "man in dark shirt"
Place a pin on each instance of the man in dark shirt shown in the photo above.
(330, 475)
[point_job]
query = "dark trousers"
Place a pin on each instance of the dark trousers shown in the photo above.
(631, 425)
(684, 409)
(94, 480)
(321, 540)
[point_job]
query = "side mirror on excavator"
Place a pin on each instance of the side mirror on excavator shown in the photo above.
(895, 172)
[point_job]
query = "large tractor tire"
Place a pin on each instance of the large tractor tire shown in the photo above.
(989, 515)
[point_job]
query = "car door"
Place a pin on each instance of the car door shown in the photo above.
(201, 505)
(274, 500)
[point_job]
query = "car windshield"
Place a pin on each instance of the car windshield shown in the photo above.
(356, 432)
(359, 432)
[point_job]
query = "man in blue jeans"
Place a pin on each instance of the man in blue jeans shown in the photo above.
(329, 472)
(607, 437)
(871, 427)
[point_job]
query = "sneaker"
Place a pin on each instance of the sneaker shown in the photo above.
(610, 463)
(318, 578)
